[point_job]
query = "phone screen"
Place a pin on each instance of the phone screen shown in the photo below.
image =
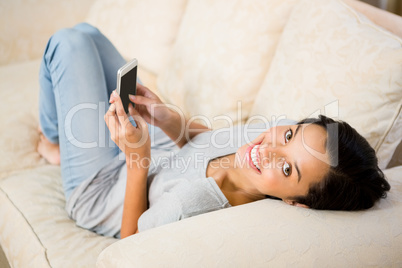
(128, 85)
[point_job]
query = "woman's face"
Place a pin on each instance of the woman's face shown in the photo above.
(284, 161)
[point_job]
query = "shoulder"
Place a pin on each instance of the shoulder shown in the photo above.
(186, 199)
(199, 195)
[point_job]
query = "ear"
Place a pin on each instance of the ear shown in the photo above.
(294, 203)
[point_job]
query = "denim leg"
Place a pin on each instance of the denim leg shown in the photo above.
(111, 62)
(73, 100)
(108, 54)
(47, 105)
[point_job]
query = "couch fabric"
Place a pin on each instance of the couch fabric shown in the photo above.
(35, 230)
(214, 33)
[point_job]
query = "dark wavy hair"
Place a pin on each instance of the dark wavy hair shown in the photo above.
(354, 180)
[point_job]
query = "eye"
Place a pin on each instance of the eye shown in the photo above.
(288, 135)
(286, 169)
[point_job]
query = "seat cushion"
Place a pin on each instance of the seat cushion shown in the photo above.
(332, 60)
(19, 117)
(35, 230)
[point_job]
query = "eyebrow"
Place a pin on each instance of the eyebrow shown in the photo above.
(297, 167)
(297, 129)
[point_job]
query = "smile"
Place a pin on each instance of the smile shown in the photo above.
(253, 157)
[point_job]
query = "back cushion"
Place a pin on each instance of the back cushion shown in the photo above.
(333, 60)
(222, 53)
(145, 30)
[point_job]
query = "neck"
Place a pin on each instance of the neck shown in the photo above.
(231, 183)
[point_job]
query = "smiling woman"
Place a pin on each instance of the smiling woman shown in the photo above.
(116, 189)
(319, 163)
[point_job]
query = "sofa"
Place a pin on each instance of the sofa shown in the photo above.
(222, 62)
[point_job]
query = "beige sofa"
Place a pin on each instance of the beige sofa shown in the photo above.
(222, 61)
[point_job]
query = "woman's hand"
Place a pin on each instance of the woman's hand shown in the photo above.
(133, 141)
(169, 118)
(151, 108)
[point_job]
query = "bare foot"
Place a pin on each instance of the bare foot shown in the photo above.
(48, 150)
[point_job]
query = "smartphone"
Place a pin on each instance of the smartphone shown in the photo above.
(127, 82)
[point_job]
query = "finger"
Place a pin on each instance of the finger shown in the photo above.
(144, 91)
(141, 100)
(111, 111)
(143, 112)
(141, 89)
(120, 112)
(111, 97)
(111, 121)
(141, 123)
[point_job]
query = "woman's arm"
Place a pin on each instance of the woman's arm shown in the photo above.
(180, 130)
(135, 201)
(167, 117)
(135, 143)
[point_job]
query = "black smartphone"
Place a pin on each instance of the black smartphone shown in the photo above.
(127, 82)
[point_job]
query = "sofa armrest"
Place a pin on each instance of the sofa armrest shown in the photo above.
(385, 19)
(270, 233)
(27, 25)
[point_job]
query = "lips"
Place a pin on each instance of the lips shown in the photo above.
(253, 157)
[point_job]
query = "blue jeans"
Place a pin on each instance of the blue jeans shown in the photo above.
(77, 76)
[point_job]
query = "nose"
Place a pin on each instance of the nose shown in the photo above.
(269, 153)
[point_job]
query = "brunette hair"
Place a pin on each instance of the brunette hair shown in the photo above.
(354, 180)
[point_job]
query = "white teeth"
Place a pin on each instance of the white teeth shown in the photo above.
(254, 156)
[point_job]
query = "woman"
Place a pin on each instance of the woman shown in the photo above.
(147, 180)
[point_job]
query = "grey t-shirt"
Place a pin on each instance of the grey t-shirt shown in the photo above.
(178, 186)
